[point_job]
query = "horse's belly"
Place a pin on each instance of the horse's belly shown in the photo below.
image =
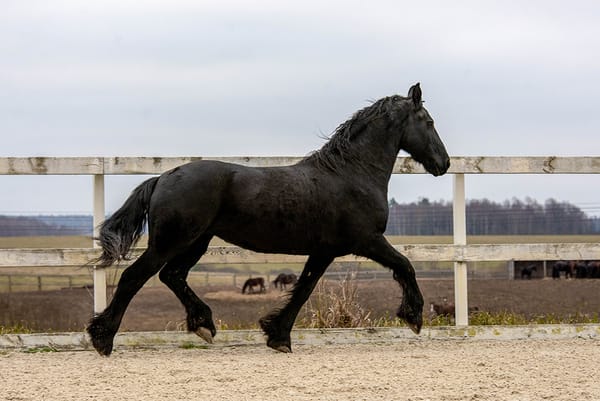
(269, 240)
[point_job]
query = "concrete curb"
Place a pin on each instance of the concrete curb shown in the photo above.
(227, 338)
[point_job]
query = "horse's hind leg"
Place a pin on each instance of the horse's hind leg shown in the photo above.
(277, 325)
(103, 327)
(411, 309)
(174, 275)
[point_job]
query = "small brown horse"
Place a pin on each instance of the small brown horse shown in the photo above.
(254, 282)
(283, 280)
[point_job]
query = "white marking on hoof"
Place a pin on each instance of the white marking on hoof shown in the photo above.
(205, 334)
(414, 328)
(283, 348)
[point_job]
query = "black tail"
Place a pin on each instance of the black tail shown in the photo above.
(124, 228)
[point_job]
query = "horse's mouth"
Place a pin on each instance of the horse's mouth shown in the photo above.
(437, 169)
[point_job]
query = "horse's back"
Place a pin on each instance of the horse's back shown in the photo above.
(292, 209)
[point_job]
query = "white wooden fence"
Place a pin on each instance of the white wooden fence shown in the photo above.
(459, 252)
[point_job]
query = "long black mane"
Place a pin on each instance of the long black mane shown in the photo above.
(338, 150)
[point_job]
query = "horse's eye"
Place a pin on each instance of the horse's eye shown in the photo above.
(430, 124)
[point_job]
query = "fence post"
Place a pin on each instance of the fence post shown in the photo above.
(99, 273)
(511, 269)
(461, 308)
(544, 266)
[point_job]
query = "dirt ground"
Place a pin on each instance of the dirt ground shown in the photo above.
(404, 370)
(156, 308)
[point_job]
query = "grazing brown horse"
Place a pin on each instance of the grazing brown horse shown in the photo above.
(254, 282)
(283, 280)
(330, 204)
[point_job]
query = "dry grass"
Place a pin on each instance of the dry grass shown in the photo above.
(336, 305)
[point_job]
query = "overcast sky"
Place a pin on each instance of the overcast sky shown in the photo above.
(224, 78)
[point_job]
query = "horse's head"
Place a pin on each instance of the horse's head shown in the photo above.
(419, 137)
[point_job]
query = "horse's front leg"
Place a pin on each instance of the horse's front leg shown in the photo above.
(411, 308)
(278, 324)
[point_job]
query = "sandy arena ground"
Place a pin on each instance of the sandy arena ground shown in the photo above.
(406, 370)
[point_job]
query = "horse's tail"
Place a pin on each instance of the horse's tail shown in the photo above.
(124, 228)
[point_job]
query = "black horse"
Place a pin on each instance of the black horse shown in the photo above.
(331, 203)
(581, 269)
(563, 266)
(593, 269)
(527, 271)
(254, 282)
(283, 280)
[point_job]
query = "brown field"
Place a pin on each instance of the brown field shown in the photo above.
(156, 308)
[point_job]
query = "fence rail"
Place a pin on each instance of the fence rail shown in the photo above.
(459, 252)
(403, 165)
(416, 253)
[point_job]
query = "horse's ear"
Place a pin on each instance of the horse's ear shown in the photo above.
(415, 94)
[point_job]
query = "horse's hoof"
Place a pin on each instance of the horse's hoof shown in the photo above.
(103, 346)
(205, 334)
(283, 348)
(101, 338)
(416, 328)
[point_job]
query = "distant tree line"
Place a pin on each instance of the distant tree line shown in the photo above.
(16, 226)
(423, 217)
(485, 217)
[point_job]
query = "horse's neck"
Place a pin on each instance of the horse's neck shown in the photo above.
(376, 155)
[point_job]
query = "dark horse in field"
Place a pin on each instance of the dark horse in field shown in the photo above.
(527, 271)
(331, 203)
(283, 280)
(563, 266)
(254, 282)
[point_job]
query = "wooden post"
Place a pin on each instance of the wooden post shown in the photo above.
(544, 266)
(460, 238)
(511, 269)
(99, 273)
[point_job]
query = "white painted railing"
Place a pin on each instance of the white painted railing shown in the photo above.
(459, 252)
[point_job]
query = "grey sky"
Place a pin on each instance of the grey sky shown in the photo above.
(270, 78)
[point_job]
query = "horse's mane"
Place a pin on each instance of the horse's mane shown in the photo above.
(338, 150)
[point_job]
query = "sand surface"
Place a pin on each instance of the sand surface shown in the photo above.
(406, 370)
